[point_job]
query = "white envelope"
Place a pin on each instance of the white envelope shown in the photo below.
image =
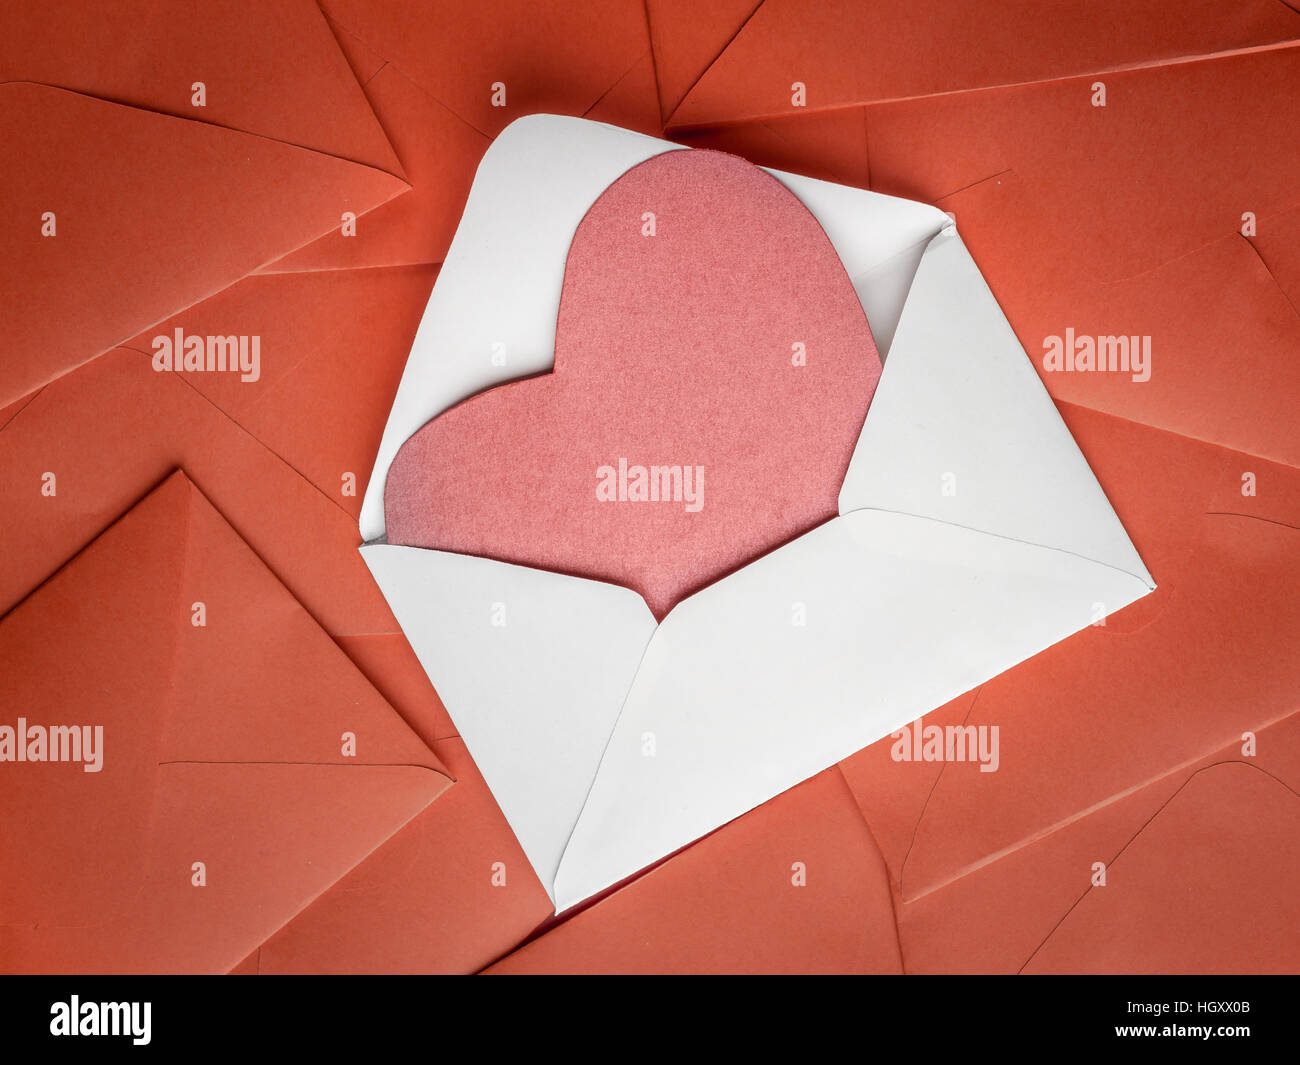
(971, 535)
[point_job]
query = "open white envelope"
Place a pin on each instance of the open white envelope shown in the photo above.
(971, 535)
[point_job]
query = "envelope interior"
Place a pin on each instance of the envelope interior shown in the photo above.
(713, 367)
(485, 325)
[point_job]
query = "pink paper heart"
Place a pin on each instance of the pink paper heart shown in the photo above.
(692, 287)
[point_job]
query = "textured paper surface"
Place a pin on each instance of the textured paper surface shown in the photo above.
(1122, 219)
(729, 344)
(221, 744)
(151, 213)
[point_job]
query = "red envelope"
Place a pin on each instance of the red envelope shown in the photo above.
(1206, 885)
(113, 430)
(846, 53)
(273, 70)
(1101, 220)
(492, 62)
(449, 893)
(439, 153)
(240, 764)
(1005, 916)
(162, 154)
(686, 38)
(1122, 746)
(332, 346)
(795, 886)
(445, 78)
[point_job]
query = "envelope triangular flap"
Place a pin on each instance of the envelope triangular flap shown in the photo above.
(880, 239)
(261, 681)
(805, 656)
(961, 429)
(148, 214)
(140, 53)
(533, 667)
(896, 607)
(217, 742)
(71, 654)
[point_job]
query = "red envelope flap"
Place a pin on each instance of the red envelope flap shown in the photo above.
(450, 893)
(113, 430)
(687, 38)
(1207, 885)
(301, 827)
(260, 681)
(270, 69)
(845, 52)
(279, 767)
(1000, 917)
(567, 58)
(331, 346)
(91, 649)
(1117, 189)
(439, 153)
(795, 886)
(117, 216)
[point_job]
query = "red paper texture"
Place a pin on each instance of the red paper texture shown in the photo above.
(221, 744)
(308, 199)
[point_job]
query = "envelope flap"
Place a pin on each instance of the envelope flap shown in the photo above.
(115, 428)
(687, 38)
(235, 852)
(846, 52)
(259, 680)
(118, 216)
(493, 60)
(961, 429)
(243, 763)
(533, 667)
(71, 654)
(807, 655)
(271, 838)
(1223, 843)
(274, 70)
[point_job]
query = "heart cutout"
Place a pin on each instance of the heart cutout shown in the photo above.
(708, 335)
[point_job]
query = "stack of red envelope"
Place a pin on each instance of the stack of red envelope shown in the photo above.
(281, 789)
